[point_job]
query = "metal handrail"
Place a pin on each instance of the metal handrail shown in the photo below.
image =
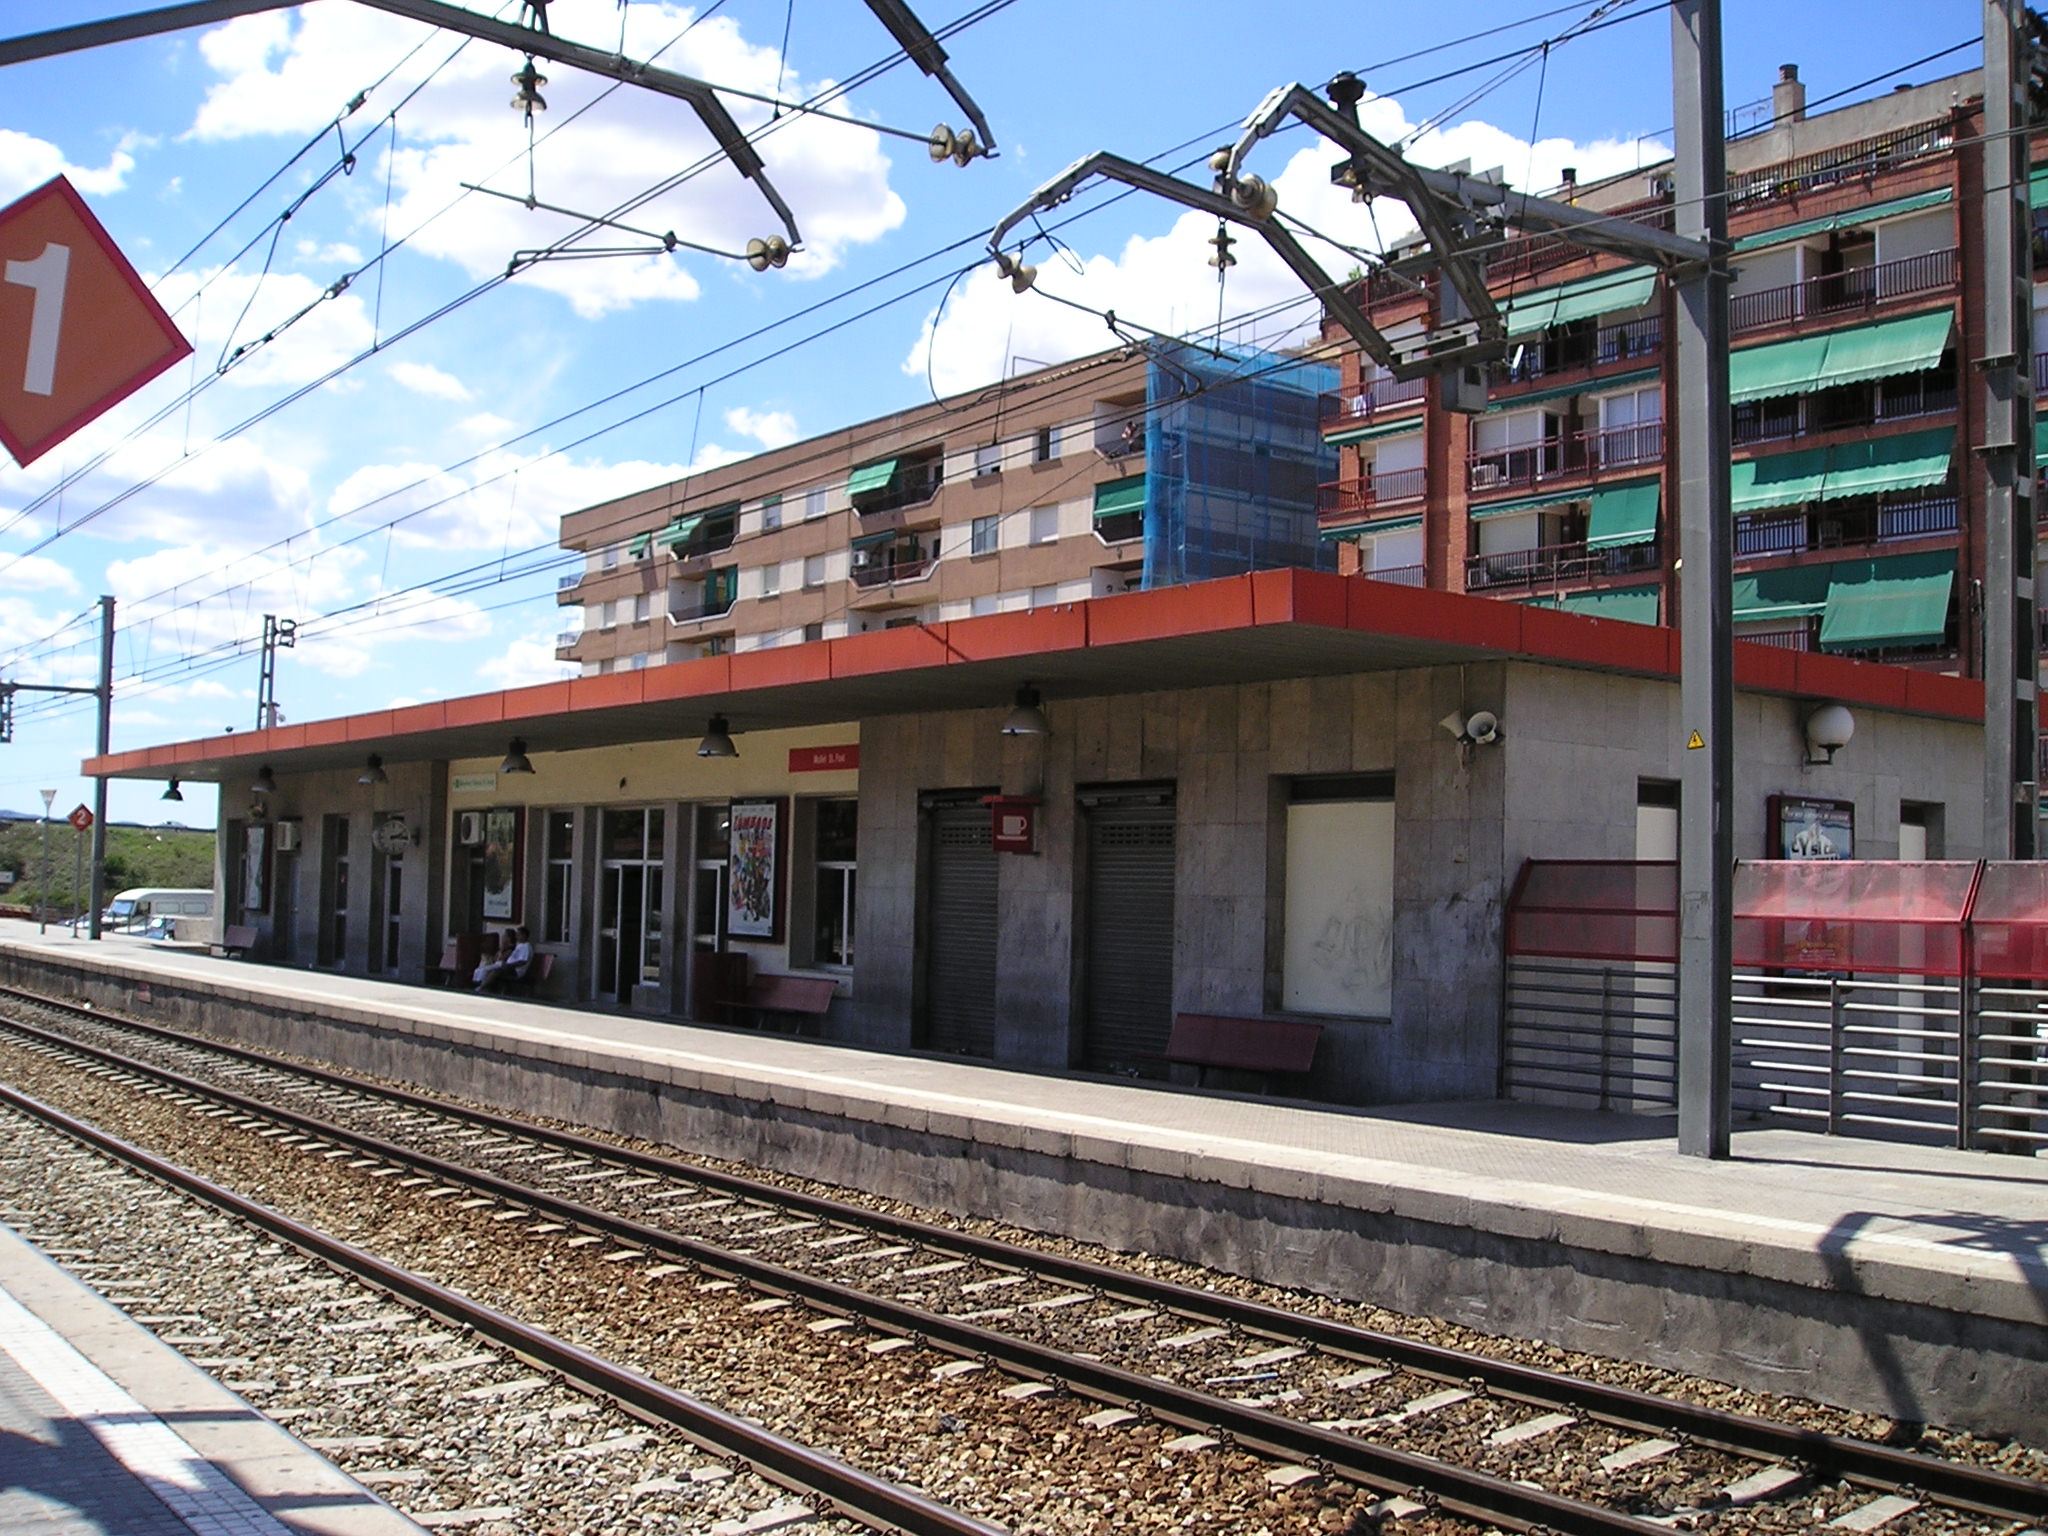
(1587, 453)
(1834, 294)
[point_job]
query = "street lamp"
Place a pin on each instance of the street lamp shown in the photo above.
(43, 906)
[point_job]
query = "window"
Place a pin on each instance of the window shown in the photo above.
(639, 662)
(721, 586)
(814, 501)
(814, 570)
(559, 845)
(1656, 819)
(718, 645)
(643, 608)
(834, 847)
(607, 615)
(988, 460)
(610, 558)
(983, 536)
(1042, 447)
(1045, 525)
(814, 632)
(771, 578)
(1338, 957)
(1044, 597)
(771, 513)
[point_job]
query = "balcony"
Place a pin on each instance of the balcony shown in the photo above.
(1840, 165)
(1367, 492)
(882, 574)
(1398, 575)
(565, 644)
(2040, 373)
(1551, 565)
(1574, 455)
(1836, 294)
(1354, 407)
(1580, 346)
(1846, 524)
(573, 579)
(912, 484)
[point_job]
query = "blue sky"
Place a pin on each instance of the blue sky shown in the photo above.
(403, 510)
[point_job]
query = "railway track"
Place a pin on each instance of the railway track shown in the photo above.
(490, 1351)
(1416, 1424)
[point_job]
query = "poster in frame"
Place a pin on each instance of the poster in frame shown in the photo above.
(501, 864)
(753, 887)
(256, 867)
(1809, 827)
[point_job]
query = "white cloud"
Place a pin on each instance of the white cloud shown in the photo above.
(37, 573)
(425, 379)
(27, 162)
(238, 309)
(504, 501)
(339, 252)
(528, 659)
(1164, 282)
(279, 78)
(771, 429)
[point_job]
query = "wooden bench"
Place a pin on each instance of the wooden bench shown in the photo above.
(1205, 1040)
(529, 985)
(803, 999)
(238, 940)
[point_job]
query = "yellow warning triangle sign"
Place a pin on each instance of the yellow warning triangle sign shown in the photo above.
(1696, 742)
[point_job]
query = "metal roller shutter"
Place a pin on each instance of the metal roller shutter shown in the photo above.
(1129, 986)
(960, 934)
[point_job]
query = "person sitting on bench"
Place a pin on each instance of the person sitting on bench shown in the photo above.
(490, 976)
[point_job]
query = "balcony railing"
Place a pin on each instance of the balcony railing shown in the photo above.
(912, 485)
(564, 583)
(1839, 293)
(1341, 407)
(1795, 637)
(1556, 565)
(1120, 527)
(688, 610)
(1568, 351)
(1397, 575)
(1844, 525)
(1841, 164)
(1369, 491)
(2040, 372)
(568, 637)
(1588, 454)
(880, 574)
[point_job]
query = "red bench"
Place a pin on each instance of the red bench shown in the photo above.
(1205, 1040)
(804, 999)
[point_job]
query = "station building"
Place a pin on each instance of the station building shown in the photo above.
(1248, 799)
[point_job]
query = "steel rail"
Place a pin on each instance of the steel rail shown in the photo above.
(868, 1499)
(1383, 1469)
(1859, 1461)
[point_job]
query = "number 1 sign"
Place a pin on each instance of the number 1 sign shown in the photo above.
(79, 333)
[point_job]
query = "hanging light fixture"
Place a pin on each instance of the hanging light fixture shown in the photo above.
(174, 793)
(717, 740)
(516, 760)
(266, 781)
(373, 772)
(1027, 719)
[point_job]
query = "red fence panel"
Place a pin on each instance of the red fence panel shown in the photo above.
(1862, 916)
(2009, 924)
(1595, 909)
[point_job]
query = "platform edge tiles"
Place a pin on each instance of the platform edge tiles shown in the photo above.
(1874, 1311)
(242, 1472)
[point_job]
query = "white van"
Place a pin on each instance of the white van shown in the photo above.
(134, 910)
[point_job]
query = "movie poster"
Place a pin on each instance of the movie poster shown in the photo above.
(501, 864)
(751, 883)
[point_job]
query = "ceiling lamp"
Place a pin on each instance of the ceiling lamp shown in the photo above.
(373, 772)
(174, 793)
(717, 740)
(1027, 719)
(266, 781)
(516, 760)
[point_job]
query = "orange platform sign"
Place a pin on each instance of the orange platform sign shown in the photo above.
(79, 333)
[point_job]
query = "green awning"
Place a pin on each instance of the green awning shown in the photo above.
(1527, 503)
(638, 545)
(1118, 497)
(1385, 525)
(1780, 480)
(870, 540)
(1853, 356)
(1898, 600)
(1374, 432)
(2037, 194)
(1878, 464)
(1580, 387)
(679, 532)
(2041, 451)
(1633, 605)
(1866, 467)
(869, 478)
(1829, 223)
(1603, 293)
(1623, 514)
(1793, 592)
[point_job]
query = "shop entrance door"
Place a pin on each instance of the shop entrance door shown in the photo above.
(960, 933)
(1127, 982)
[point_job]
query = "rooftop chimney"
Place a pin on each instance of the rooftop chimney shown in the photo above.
(1788, 96)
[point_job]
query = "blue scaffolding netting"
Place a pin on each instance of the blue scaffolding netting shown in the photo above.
(1234, 453)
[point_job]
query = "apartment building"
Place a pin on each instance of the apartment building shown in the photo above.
(1855, 311)
(1120, 471)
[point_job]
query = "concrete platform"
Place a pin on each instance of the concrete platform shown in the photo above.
(1906, 1281)
(106, 1431)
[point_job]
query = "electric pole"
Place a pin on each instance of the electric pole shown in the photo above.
(103, 691)
(276, 633)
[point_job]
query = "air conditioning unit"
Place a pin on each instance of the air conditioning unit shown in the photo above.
(288, 837)
(1484, 475)
(469, 828)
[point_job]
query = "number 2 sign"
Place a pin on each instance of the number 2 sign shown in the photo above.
(79, 332)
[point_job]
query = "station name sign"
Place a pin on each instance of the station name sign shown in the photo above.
(824, 759)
